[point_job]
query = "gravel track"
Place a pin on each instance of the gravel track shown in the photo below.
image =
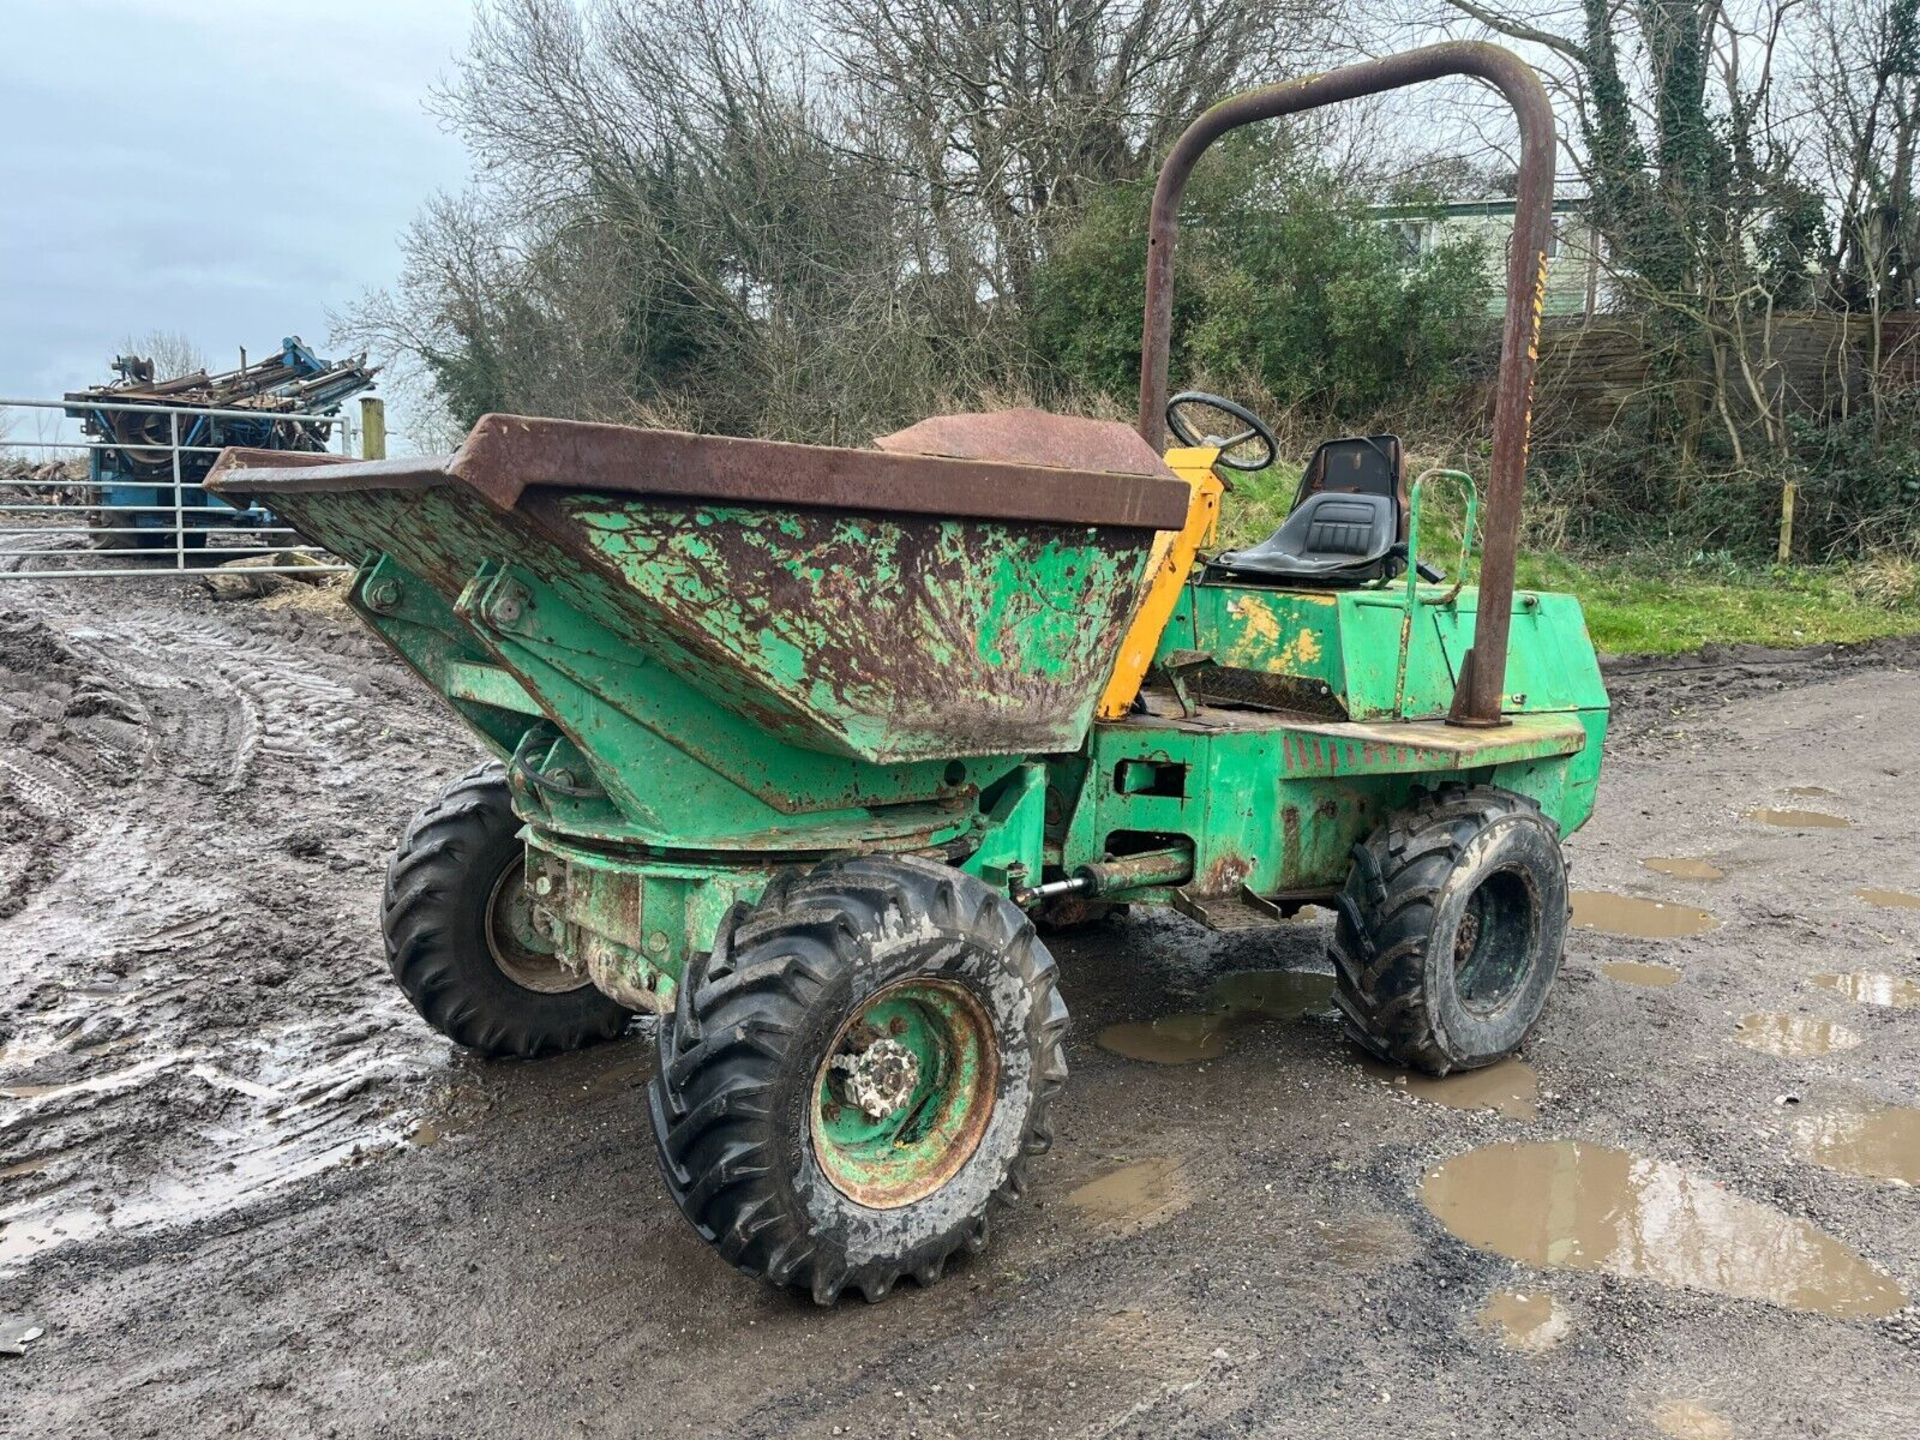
(247, 1192)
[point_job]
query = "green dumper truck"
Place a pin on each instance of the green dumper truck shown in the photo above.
(801, 749)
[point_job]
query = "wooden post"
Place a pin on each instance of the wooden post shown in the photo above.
(373, 428)
(1787, 495)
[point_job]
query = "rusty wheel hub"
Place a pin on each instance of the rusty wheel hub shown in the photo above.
(879, 1079)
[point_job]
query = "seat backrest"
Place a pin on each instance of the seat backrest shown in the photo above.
(1348, 516)
(1341, 525)
(1358, 465)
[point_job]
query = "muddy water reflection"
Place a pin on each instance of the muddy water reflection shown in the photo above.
(1574, 1206)
(1641, 919)
(1690, 1420)
(1682, 868)
(1794, 1037)
(1252, 995)
(1170, 1040)
(1511, 1087)
(1893, 899)
(1799, 819)
(1135, 1197)
(1529, 1322)
(1881, 1142)
(1272, 994)
(1873, 989)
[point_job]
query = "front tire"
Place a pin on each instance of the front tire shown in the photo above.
(457, 938)
(1451, 929)
(857, 1075)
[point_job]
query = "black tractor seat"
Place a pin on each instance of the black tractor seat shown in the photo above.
(1347, 538)
(1347, 525)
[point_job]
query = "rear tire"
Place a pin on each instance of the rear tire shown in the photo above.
(456, 939)
(1451, 929)
(827, 985)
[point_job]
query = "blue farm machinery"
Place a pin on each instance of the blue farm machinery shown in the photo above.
(155, 440)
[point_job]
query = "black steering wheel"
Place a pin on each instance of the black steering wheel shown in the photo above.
(1208, 429)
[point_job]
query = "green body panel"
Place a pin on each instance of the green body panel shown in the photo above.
(1351, 641)
(1277, 808)
(877, 639)
(1012, 829)
(1267, 803)
(631, 924)
(694, 699)
(675, 769)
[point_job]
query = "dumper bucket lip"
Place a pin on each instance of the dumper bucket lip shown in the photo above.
(506, 455)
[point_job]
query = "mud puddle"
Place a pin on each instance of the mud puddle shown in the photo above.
(1799, 819)
(1135, 1197)
(1691, 1420)
(1891, 899)
(1573, 1206)
(95, 1084)
(1682, 867)
(1511, 1087)
(1647, 977)
(1878, 1142)
(254, 1124)
(1170, 1040)
(1638, 919)
(194, 813)
(1871, 988)
(1189, 1038)
(1283, 995)
(1530, 1322)
(1794, 1037)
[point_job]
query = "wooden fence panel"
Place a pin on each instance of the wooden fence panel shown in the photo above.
(1593, 372)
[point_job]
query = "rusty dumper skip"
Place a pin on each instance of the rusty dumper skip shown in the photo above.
(794, 746)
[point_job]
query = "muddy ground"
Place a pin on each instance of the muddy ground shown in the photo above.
(245, 1191)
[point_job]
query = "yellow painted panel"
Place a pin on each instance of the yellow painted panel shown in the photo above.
(1171, 563)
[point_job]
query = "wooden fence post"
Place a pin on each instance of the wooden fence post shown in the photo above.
(373, 428)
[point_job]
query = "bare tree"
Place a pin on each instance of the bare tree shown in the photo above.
(1000, 116)
(1862, 87)
(173, 354)
(1691, 169)
(791, 216)
(1861, 82)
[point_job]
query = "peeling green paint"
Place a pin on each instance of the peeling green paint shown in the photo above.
(700, 695)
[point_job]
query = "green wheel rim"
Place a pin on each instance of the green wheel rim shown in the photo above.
(918, 1145)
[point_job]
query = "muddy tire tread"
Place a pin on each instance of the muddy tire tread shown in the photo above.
(419, 916)
(723, 1050)
(1385, 913)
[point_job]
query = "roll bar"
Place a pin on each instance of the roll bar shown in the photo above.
(1481, 687)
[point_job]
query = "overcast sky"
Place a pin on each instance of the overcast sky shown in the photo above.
(228, 169)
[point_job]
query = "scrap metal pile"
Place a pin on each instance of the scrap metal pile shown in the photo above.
(152, 443)
(293, 382)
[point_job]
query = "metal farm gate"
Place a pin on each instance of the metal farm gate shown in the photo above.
(61, 518)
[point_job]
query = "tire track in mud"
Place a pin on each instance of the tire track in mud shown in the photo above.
(195, 808)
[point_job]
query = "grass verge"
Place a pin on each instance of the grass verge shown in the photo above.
(1632, 610)
(1659, 604)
